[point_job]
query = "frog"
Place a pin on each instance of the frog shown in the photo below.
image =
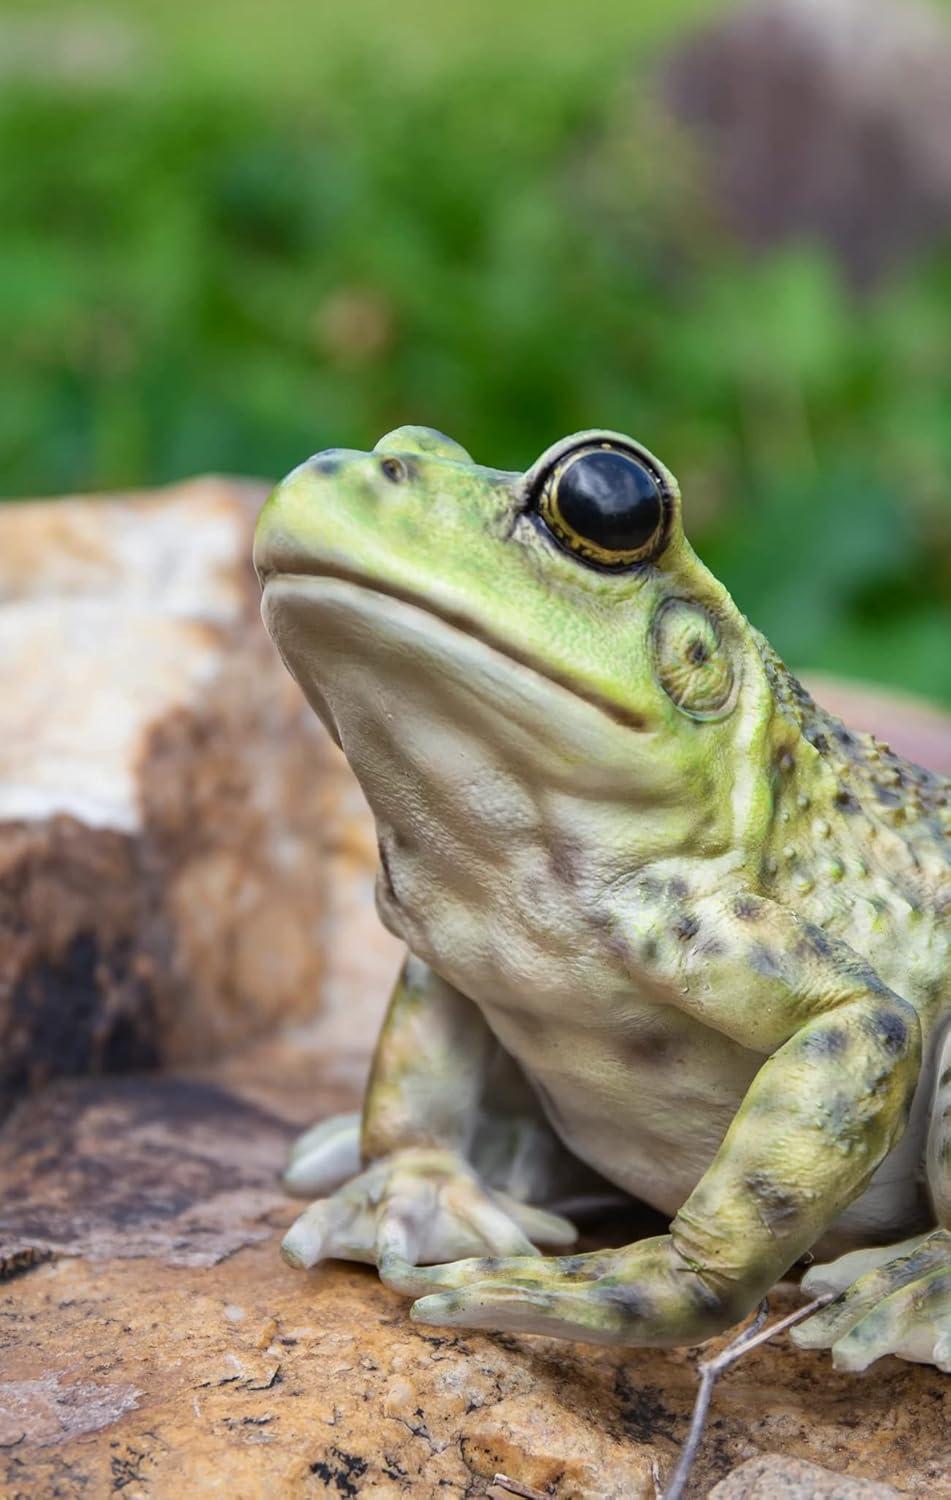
(675, 935)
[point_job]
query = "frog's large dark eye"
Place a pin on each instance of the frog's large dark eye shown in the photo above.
(604, 504)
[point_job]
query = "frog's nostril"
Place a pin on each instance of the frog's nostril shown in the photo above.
(394, 469)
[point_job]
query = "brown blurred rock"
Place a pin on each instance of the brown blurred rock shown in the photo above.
(160, 1348)
(825, 120)
(917, 730)
(163, 789)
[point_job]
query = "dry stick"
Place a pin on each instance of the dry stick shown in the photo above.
(709, 1369)
(502, 1483)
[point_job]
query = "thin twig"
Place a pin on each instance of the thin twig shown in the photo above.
(710, 1369)
(502, 1483)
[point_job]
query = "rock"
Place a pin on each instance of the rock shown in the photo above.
(813, 114)
(163, 790)
(774, 1478)
(159, 1346)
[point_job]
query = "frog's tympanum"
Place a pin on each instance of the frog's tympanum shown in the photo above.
(674, 932)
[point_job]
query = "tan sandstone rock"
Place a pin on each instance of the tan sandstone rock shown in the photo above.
(775, 1478)
(158, 1347)
(163, 790)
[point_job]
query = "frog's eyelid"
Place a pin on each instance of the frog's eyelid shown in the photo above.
(534, 476)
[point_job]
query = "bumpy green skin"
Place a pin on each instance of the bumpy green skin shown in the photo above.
(676, 932)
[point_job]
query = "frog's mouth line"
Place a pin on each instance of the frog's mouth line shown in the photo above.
(627, 718)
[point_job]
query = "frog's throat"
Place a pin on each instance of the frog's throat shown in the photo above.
(628, 718)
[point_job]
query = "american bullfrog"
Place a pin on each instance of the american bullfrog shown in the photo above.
(674, 932)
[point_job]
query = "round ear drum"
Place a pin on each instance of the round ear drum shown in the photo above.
(691, 661)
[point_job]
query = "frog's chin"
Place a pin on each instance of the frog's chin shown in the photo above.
(367, 659)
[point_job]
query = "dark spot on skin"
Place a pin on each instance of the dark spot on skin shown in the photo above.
(677, 889)
(785, 762)
(631, 1301)
(649, 950)
(814, 941)
(776, 1205)
(748, 908)
(686, 927)
(845, 801)
(327, 464)
(888, 796)
(831, 1042)
(870, 979)
(817, 740)
(703, 1298)
(765, 962)
(945, 1078)
(573, 1265)
(890, 1030)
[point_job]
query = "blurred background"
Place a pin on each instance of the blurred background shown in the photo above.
(236, 233)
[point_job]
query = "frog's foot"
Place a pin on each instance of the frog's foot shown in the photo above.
(895, 1300)
(324, 1156)
(640, 1294)
(419, 1204)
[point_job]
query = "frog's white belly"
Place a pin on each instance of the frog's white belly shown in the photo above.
(633, 1086)
(639, 1090)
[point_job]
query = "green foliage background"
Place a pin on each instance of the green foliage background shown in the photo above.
(238, 233)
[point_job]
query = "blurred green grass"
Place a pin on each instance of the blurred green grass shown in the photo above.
(234, 234)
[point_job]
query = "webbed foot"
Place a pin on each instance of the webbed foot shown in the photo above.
(416, 1205)
(643, 1293)
(894, 1300)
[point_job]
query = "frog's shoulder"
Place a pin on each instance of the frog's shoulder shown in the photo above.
(900, 807)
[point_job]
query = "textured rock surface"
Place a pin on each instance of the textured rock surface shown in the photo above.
(163, 795)
(162, 1348)
(774, 1478)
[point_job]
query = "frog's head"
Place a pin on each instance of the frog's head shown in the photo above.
(558, 615)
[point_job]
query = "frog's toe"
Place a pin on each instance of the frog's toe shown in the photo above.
(556, 1296)
(324, 1156)
(311, 1235)
(914, 1323)
(896, 1303)
(417, 1205)
(564, 1312)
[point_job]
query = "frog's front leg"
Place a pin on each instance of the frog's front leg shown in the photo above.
(418, 1195)
(822, 1112)
(894, 1299)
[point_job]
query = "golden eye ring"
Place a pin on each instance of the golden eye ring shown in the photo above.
(605, 504)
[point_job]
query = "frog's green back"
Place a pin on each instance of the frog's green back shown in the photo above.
(859, 840)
